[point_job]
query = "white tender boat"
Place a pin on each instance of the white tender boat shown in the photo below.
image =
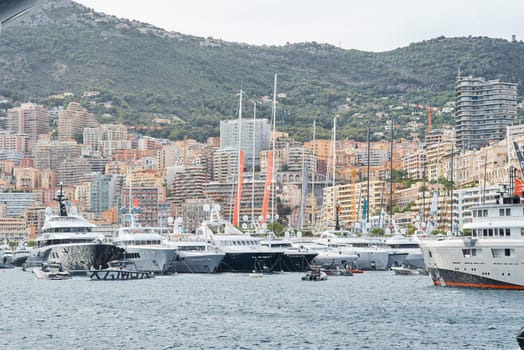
(315, 273)
(51, 272)
(406, 270)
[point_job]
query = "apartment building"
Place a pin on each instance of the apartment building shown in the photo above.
(29, 119)
(254, 137)
(73, 120)
(484, 108)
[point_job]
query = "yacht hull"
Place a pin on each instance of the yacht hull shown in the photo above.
(483, 263)
(373, 260)
(74, 257)
(296, 262)
(154, 259)
(250, 261)
(334, 259)
(447, 278)
(199, 262)
(20, 260)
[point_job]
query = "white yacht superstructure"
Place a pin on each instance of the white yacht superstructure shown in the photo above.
(373, 254)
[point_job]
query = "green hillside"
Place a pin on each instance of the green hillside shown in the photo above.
(146, 71)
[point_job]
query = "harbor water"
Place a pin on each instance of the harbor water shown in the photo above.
(373, 310)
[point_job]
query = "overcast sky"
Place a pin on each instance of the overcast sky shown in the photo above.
(370, 25)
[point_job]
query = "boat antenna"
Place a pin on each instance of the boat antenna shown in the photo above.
(368, 156)
(391, 176)
(484, 181)
(274, 117)
(452, 185)
(335, 207)
(253, 166)
(60, 198)
(314, 173)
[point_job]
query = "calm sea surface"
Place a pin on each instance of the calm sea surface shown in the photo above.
(375, 310)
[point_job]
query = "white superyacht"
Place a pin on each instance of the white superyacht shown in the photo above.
(144, 247)
(194, 253)
(69, 240)
(492, 256)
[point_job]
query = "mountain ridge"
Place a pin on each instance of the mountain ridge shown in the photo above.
(143, 70)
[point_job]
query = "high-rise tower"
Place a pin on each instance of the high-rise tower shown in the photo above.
(483, 111)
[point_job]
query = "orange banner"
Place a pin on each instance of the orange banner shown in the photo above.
(519, 186)
(267, 189)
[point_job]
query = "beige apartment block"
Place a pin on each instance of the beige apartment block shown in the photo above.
(73, 120)
(351, 199)
(29, 119)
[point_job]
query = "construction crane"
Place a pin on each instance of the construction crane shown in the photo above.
(430, 110)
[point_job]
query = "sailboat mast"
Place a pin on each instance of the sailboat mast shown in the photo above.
(334, 164)
(314, 173)
(334, 148)
(368, 156)
(451, 192)
(274, 117)
(391, 177)
(253, 165)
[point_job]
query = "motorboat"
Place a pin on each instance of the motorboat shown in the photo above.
(491, 256)
(195, 256)
(145, 247)
(315, 273)
(70, 240)
(51, 271)
(337, 270)
(243, 252)
(407, 270)
(6, 256)
(120, 270)
(21, 253)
